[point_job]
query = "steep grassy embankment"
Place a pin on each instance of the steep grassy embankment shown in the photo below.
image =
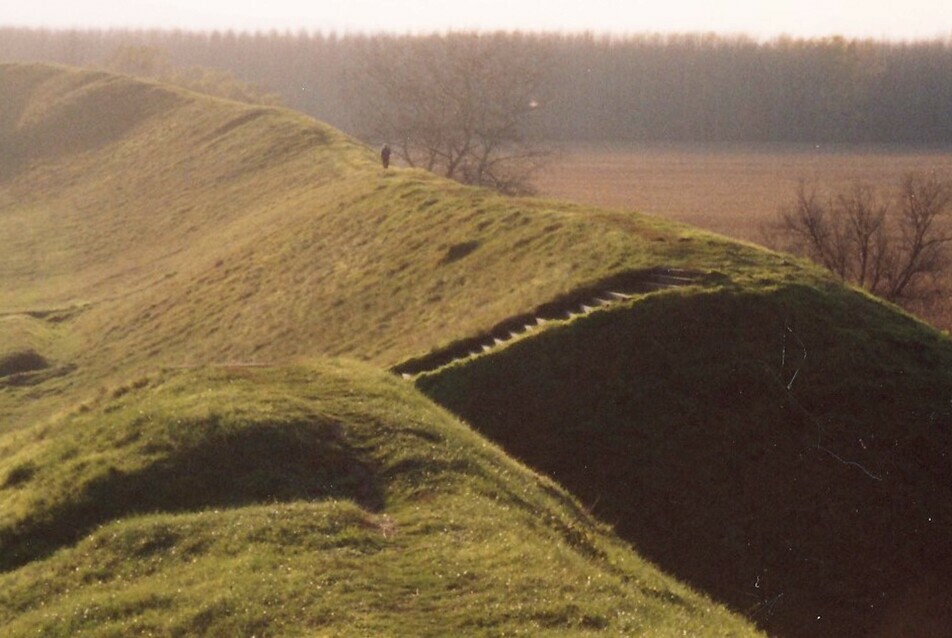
(327, 499)
(767, 434)
(173, 229)
(785, 449)
(147, 229)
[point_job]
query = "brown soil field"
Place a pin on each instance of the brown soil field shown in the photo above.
(734, 190)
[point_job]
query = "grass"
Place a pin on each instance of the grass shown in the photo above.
(328, 498)
(776, 448)
(163, 481)
(734, 190)
(259, 235)
(190, 461)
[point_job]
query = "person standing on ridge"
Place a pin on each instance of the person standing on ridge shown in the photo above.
(385, 155)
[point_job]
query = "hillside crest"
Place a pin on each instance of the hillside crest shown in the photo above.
(171, 259)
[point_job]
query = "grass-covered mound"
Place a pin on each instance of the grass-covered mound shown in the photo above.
(181, 229)
(765, 433)
(784, 449)
(328, 498)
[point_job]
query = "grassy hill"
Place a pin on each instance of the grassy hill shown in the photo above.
(195, 230)
(177, 456)
(272, 502)
(156, 478)
(785, 449)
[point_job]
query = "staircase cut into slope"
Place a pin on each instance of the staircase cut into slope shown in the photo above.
(328, 497)
(209, 231)
(578, 303)
(786, 451)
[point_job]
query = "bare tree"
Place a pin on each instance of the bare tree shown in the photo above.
(893, 249)
(461, 105)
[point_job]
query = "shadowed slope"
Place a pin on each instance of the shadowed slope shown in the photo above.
(328, 498)
(786, 451)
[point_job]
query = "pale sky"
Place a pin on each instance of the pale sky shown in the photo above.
(881, 19)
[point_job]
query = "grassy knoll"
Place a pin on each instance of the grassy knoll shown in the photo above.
(198, 230)
(151, 233)
(783, 448)
(769, 435)
(328, 498)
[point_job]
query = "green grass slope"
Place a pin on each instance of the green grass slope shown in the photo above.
(154, 227)
(785, 449)
(149, 234)
(321, 499)
(763, 432)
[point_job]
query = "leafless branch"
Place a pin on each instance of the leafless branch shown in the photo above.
(893, 249)
(461, 105)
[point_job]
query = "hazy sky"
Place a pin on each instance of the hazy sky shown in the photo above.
(895, 19)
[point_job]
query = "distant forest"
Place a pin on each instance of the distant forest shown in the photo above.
(690, 88)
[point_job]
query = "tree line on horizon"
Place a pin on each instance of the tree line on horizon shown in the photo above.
(679, 88)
